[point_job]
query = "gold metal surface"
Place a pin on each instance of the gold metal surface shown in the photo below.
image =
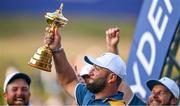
(43, 57)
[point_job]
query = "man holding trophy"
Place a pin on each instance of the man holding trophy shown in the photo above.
(107, 92)
(104, 78)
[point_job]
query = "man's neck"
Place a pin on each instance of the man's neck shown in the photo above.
(106, 92)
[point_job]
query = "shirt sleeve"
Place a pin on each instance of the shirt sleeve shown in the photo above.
(80, 92)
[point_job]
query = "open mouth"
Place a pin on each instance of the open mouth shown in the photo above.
(155, 103)
(19, 100)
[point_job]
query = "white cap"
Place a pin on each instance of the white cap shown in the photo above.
(109, 61)
(168, 83)
(13, 76)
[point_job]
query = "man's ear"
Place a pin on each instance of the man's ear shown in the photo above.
(112, 78)
(174, 101)
(5, 95)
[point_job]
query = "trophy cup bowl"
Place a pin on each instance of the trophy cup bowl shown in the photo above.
(43, 57)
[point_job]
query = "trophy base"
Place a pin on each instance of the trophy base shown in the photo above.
(41, 66)
(42, 59)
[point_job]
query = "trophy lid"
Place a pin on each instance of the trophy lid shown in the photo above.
(57, 16)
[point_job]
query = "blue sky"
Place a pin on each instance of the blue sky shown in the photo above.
(75, 7)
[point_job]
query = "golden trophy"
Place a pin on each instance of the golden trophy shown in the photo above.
(43, 57)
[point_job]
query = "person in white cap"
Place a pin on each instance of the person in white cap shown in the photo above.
(17, 89)
(104, 79)
(112, 40)
(163, 92)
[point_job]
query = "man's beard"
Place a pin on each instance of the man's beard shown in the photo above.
(97, 85)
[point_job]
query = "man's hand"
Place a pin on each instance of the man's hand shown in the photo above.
(112, 39)
(52, 38)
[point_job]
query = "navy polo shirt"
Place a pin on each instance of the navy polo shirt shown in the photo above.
(136, 101)
(85, 97)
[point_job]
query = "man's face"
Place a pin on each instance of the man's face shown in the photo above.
(159, 96)
(17, 93)
(96, 81)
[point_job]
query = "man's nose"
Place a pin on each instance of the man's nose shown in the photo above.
(155, 95)
(19, 92)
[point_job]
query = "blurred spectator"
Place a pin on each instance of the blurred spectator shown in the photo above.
(17, 88)
(163, 92)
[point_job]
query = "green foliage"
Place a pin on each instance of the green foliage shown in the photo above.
(1, 97)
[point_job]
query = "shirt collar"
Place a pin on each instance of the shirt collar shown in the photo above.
(117, 96)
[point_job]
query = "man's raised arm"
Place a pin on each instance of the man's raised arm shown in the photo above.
(65, 73)
(112, 40)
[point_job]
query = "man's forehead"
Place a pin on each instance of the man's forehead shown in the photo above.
(160, 87)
